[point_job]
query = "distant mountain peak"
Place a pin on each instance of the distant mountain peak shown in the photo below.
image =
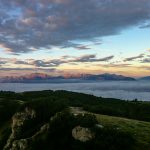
(33, 75)
(145, 78)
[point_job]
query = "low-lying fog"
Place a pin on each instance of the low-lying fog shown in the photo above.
(127, 90)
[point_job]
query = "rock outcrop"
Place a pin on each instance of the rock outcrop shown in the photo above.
(82, 134)
(25, 120)
(19, 120)
(20, 144)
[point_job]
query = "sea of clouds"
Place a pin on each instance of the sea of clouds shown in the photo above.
(127, 90)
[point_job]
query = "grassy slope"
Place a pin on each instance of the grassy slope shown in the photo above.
(139, 129)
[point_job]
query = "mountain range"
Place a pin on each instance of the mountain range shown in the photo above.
(41, 77)
(145, 78)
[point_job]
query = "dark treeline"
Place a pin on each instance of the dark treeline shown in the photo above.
(130, 109)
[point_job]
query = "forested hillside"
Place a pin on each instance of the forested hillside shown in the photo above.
(68, 120)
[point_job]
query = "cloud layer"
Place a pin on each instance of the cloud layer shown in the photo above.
(52, 63)
(27, 25)
(134, 57)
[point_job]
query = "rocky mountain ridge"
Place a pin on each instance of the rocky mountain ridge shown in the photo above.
(40, 77)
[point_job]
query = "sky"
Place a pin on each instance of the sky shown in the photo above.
(60, 37)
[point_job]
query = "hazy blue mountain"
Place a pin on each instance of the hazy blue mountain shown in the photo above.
(145, 78)
(107, 76)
